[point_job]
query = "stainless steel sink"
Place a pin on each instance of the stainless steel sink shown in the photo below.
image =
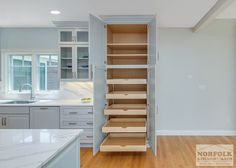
(20, 102)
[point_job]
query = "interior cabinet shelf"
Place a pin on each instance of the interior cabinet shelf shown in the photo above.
(124, 142)
(126, 66)
(126, 109)
(127, 55)
(125, 125)
(127, 46)
(126, 81)
(126, 95)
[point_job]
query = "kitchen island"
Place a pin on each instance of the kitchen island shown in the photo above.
(40, 148)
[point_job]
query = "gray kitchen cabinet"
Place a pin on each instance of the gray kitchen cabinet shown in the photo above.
(17, 121)
(14, 117)
(44, 117)
(77, 117)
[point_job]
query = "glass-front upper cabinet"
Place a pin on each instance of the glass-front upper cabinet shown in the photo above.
(73, 36)
(82, 62)
(74, 54)
(66, 54)
(74, 62)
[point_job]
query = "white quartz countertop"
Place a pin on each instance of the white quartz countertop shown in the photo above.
(61, 102)
(33, 148)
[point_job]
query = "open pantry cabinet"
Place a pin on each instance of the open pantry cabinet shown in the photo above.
(123, 51)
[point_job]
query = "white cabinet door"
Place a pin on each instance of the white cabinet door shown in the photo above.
(17, 121)
(97, 54)
(44, 117)
(152, 92)
(66, 36)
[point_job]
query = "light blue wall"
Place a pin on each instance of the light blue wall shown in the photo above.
(197, 80)
(29, 38)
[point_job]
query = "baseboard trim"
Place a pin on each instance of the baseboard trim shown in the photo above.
(195, 133)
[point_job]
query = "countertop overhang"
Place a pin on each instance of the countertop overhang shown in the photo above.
(25, 148)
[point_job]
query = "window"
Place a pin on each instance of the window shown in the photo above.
(48, 77)
(37, 70)
(20, 72)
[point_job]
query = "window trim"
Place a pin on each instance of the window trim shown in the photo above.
(34, 53)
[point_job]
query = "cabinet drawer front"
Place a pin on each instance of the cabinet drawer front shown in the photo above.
(125, 112)
(77, 117)
(126, 96)
(76, 124)
(86, 141)
(15, 110)
(87, 134)
(77, 111)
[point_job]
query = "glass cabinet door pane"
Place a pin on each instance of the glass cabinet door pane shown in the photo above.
(82, 36)
(66, 63)
(82, 63)
(66, 36)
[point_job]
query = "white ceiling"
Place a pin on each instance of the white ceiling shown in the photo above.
(36, 13)
(229, 12)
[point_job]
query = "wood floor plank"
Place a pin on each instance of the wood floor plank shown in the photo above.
(173, 152)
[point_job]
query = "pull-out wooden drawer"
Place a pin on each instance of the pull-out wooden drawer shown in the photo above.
(125, 125)
(126, 109)
(124, 142)
(126, 95)
(126, 81)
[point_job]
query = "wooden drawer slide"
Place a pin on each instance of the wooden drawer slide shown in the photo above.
(126, 95)
(126, 81)
(125, 125)
(115, 142)
(126, 109)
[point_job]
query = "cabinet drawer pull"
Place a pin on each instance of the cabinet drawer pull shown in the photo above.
(4, 121)
(126, 94)
(72, 123)
(89, 123)
(90, 112)
(43, 108)
(73, 113)
(89, 136)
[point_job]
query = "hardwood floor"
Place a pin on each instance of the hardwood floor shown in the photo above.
(173, 152)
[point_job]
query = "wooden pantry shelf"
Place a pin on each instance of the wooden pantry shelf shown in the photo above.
(127, 46)
(126, 81)
(126, 66)
(124, 142)
(126, 95)
(127, 55)
(126, 109)
(125, 125)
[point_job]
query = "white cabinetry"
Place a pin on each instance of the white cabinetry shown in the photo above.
(74, 54)
(77, 117)
(44, 117)
(14, 117)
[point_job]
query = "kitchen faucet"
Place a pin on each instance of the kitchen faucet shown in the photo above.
(31, 90)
